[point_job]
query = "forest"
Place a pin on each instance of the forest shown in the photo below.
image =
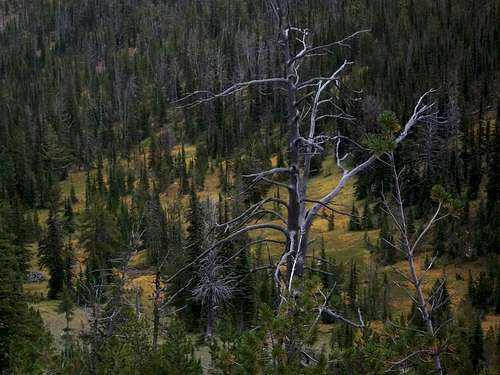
(233, 187)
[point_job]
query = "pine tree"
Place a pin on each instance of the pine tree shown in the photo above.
(194, 240)
(352, 288)
(497, 294)
(476, 344)
(25, 346)
(244, 296)
(439, 242)
(68, 217)
(493, 187)
(354, 221)
(50, 248)
(386, 241)
(176, 354)
(101, 185)
(367, 220)
(386, 313)
(440, 299)
(67, 306)
(99, 236)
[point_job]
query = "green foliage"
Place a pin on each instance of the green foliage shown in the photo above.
(176, 354)
(25, 345)
(389, 122)
(274, 347)
(379, 144)
(98, 235)
(50, 248)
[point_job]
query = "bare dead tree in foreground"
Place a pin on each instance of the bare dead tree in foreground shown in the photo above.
(408, 245)
(310, 101)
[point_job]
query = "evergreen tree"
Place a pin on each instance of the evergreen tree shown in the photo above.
(50, 248)
(354, 221)
(99, 236)
(367, 219)
(352, 287)
(25, 346)
(176, 354)
(193, 248)
(68, 217)
(244, 296)
(476, 345)
(386, 241)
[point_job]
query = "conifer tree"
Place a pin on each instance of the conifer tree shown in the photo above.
(476, 344)
(244, 295)
(99, 236)
(193, 248)
(367, 219)
(386, 240)
(497, 294)
(68, 217)
(354, 221)
(50, 248)
(176, 354)
(25, 346)
(352, 287)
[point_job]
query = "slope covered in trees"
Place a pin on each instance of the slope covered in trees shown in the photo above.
(135, 188)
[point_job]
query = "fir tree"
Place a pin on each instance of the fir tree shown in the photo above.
(194, 240)
(352, 287)
(244, 295)
(476, 344)
(25, 346)
(50, 248)
(497, 294)
(68, 217)
(98, 236)
(354, 221)
(367, 219)
(176, 354)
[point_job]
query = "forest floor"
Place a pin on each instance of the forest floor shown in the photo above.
(340, 243)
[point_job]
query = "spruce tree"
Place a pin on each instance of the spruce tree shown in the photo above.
(99, 236)
(476, 344)
(193, 248)
(367, 219)
(25, 345)
(244, 297)
(354, 221)
(176, 354)
(497, 294)
(50, 248)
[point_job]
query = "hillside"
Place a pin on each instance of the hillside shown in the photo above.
(237, 187)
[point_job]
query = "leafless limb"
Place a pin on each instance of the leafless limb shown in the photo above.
(409, 247)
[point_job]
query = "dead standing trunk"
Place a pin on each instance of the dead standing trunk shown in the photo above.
(156, 311)
(294, 203)
(408, 248)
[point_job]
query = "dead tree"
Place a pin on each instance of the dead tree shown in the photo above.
(215, 286)
(309, 102)
(408, 246)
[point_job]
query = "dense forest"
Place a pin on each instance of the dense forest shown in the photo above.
(249, 187)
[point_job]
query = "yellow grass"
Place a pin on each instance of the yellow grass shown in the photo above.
(56, 321)
(340, 243)
(400, 301)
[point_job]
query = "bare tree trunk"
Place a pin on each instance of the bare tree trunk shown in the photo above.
(293, 163)
(156, 311)
(408, 248)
